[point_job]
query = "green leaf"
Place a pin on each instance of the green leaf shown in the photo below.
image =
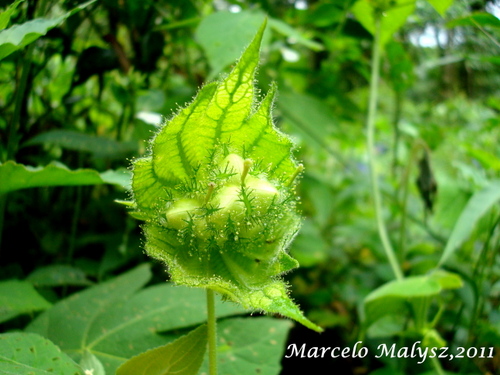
(311, 118)
(294, 35)
(31, 354)
(218, 196)
(19, 297)
(401, 67)
(476, 207)
(393, 297)
(58, 275)
(19, 36)
(441, 6)
(184, 356)
(249, 346)
(16, 176)
(475, 19)
(7, 13)
(392, 19)
(114, 321)
(99, 147)
(221, 47)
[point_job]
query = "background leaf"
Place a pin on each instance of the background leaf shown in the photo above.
(223, 48)
(392, 20)
(99, 147)
(7, 13)
(31, 354)
(476, 207)
(58, 275)
(19, 36)
(19, 297)
(392, 298)
(16, 176)
(479, 18)
(183, 356)
(441, 5)
(294, 35)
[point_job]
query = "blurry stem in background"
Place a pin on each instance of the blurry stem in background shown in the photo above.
(398, 101)
(212, 333)
(417, 145)
(370, 128)
(74, 224)
(76, 216)
(437, 366)
(486, 258)
(3, 202)
(15, 123)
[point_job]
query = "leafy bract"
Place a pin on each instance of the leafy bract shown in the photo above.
(217, 194)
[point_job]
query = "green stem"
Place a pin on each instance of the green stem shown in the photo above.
(212, 333)
(370, 125)
(3, 204)
(15, 124)
(437, 366)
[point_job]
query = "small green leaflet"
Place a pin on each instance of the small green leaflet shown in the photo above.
(217, 193)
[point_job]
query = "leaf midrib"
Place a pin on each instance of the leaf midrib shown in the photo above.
(128, 323)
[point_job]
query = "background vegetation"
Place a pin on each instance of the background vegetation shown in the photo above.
(82, 89)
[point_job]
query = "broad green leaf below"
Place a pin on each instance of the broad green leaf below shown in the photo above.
(249, 346)
(31, 354)
(115, 320)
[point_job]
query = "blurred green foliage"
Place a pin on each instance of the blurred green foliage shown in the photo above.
(82, 88)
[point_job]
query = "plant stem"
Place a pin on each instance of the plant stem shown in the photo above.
(437, 366)
(370, 125)
(212, 333)
(3, 203)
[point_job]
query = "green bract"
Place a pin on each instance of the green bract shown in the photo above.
(217, 193)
